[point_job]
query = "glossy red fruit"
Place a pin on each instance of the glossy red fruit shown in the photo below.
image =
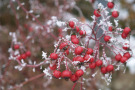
(28, 53)
(110, 68)
(127, 54)
(78, 50)
(63, 45)
(77, 28)
(107, 38)
(24, 56)
(125, 47)
(110, 5)
(82, 32)
(92, 65)
(19, 57)
(86, 57)
(89, 51)
(97, 13)
(99, 62)
(115, 14)
(67, 52)
(127, 30)
(53, 56)
(75, 41)
(73, 36)
(110, 28)
(118, 57)
(124, 35)
(57, 74)
(123, 59)
(16, 46)
(79, 73)
(74, 78)
(103, 70)
(66, 74)
(53, 67)
(91, 59)
(71, 24)
(74, 58)
(79, 58)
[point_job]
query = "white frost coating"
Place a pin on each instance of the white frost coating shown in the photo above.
(83, 68)
(75, 62)
(93, 75)
(33, 69)
(44, 55)
(68, 37)
(100, 5)
(46, 72)
(18, 67)
(116, 22)
(31, 11)
(60, 23)
(107, 78)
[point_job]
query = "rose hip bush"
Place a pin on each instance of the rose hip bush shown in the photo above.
(81, 50)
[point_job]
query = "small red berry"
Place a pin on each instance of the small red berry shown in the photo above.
(16, 46)
(77, 28)
(67, 52)
(115, 14)
(99, 62)
(74, 78)
(73, 36)
(110, 28)
(97, 13)
(66, 74)
(53, 67)
(127, 30)
(125, 47)
(57, 74)
(28, 53)
(110, 5)
(118, 57)
(53, 56)
(78, 50)
(24, 56)
(75, 41)
(124, 35)
(79, 58)
(82, 32)
(107, 38)
(123, 59)
(103, 70)
(63, 45)
(92, 65)
(19, 57)
(89, 51)
(86, 57)
(71, 24)
(91, 59)
(79, 73)
(110, 68)
(74, 58)
(127, 54)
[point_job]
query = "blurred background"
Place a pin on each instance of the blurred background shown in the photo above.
(80, 9)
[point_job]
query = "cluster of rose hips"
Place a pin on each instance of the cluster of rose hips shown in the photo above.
(110, 5)
(23, 55)
(85, 56)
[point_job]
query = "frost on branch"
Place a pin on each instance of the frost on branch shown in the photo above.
(81, 49)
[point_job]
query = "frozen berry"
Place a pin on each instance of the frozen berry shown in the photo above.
(53, 56)
(79, 73)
